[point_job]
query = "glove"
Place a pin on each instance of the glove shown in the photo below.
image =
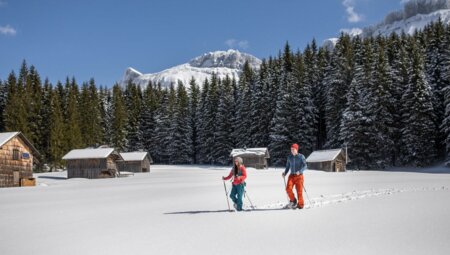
(283, 174)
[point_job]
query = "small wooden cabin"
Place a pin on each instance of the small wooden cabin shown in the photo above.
(92, 163)
(252, 157)
(328, 160)
(136, 162)
(17, 156)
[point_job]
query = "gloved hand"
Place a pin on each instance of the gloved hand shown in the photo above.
(283, 174)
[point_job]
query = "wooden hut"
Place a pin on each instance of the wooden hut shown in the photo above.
(92, 163)
(136, 162)
(328, 160)
(17, 156)
(252, 157)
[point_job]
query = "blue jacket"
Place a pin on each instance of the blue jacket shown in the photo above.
(297, 164)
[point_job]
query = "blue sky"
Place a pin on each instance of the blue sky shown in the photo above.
(100, 39)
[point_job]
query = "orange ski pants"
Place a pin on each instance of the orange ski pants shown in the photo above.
(297, 181)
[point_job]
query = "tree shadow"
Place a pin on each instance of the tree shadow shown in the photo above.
(53, 177)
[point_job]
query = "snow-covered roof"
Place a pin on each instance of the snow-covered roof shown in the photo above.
(250, 151)
(5, 137)
(133, 156)
(89, 153)
(323, 155)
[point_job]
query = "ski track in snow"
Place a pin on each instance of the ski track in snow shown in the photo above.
(325, 200)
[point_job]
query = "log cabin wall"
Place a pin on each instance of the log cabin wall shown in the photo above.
(13, 165)
(92, 168)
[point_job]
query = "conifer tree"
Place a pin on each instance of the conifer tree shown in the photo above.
(224, 120)
(119, 119)
(339, 77)
(57, 132)
(194, 98)
(418, 114)
(182, 131)
(282, 126)
(73, 135)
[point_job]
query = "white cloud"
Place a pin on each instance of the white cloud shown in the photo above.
(352, 15)
(233, 43)
(7, 30)
(352, 31)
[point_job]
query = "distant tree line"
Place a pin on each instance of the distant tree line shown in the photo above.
(386, 98)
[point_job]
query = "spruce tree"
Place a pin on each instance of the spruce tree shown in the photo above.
(3, 98)
(43, 145)
(339, 77)
(282, 126)
(182, 131)
(57, 132)
(224, 120)
(381, 109)
(15, 116)
(304, 111)
(418, 114)
(194, 98)
(147, 122)
(209, 121)
(355, 129)
(201, 122)
(436, 61)
(73, 135)
(246, 86)
(133, 100)
(163, 133)
(119, 119)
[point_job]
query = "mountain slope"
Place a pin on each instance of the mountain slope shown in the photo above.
(416, 14)
(222, 63)
(410, 25)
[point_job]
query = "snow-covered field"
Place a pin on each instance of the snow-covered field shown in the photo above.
(182, 210)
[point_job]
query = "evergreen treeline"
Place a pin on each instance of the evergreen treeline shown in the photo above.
(387, 99)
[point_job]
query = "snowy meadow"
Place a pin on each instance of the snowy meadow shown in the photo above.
(183, 210)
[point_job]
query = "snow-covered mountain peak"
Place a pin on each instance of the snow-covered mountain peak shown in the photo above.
(230, 59)
(409, 25)
(222, 63)
(414, 16)
(132, 73)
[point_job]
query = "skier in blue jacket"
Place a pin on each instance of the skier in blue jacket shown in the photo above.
(296, 163)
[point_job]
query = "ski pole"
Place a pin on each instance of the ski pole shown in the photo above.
(285, 187)
(226, 195)
(248, 197)
(306, 194)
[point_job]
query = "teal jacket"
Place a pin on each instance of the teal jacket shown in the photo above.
(297, 164)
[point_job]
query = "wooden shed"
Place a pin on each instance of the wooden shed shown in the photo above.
(136, 162)
(328, 160)
(17, 156)
(92, 163)
(252, 157)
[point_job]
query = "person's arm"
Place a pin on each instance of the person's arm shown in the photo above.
(288, 166)
(229, 176)
(304, 164)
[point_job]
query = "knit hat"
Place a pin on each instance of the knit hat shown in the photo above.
(294, 146)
